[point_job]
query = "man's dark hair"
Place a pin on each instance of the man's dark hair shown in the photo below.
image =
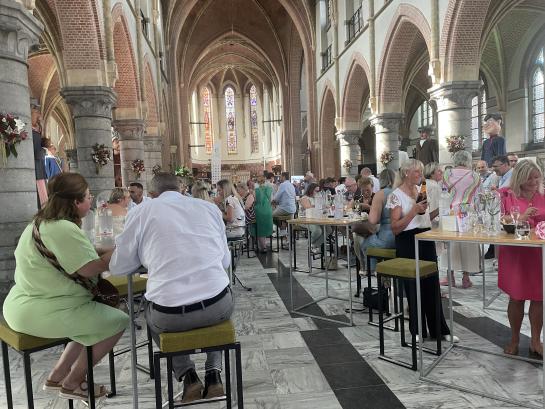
(495, 116)
(136, 184)
(270, 175)
(286, 175)
(341, 180)
(330, 180)
(502, 159)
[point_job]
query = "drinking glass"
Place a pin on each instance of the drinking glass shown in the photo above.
(515, 213)
(493, 207)
(523, 230)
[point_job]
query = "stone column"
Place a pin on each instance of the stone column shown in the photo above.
(153, 147)
(387, 130)
(92, 111)
(453, 101)
(349, 142)
(18, 30)
(131, 147)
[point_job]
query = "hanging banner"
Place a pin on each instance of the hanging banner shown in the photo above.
(216, 163)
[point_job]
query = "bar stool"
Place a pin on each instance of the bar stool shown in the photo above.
(26, 345)
(219, 337)
(279, 219)
(139, 287)
(404, 269)
(234, 244)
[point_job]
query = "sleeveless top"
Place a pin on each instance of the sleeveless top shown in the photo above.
(250, 213)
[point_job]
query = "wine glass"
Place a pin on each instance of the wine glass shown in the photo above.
(523, 230)
(493, 207)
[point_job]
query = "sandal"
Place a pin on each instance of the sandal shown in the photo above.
(535, 354)
(81, 392)
(53, 386)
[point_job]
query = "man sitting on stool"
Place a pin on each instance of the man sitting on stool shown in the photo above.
(181, 241)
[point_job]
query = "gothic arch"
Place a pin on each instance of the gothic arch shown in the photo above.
(408, 37)
(126, 86)
(355, 89)
(327, 149)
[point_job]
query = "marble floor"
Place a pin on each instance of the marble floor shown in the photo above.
(294, 362)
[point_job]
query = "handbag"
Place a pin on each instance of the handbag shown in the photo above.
(364, 229)
(103, 291)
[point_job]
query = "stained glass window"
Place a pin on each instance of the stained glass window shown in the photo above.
(478, 112)
(230, 120)
(426, 114)
(253, 120)
(205, 97)
(537, 91)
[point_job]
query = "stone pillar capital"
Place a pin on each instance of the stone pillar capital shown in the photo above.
(19, 29)
(454, 95)
(129, 129)
(387, 122)
(90, 101)
(350, 137)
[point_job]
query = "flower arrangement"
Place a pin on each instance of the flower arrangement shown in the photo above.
(183, 171)
(11, 133)
(100, 155)
(347, 164)
(386, 158)
(156, 169)
(456, 143)
(137, 166)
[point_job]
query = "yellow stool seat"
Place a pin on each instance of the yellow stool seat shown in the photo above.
(406, 268)
(23, 342)
(381, 252)
(283, 217)
(122, 285)
(219, 334)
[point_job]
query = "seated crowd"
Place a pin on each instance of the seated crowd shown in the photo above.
(55, 260)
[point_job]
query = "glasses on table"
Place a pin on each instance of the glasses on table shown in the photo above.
(523, 230)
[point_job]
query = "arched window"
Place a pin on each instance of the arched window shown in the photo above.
(537, 91)
(205, 98)
(230, 119)
(254, 140)
(425, 112)
(478, 112)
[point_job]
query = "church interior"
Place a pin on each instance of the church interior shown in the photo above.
(230, 89)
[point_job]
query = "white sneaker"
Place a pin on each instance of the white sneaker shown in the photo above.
(450, 338)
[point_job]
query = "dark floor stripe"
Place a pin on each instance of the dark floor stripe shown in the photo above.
(350, 377)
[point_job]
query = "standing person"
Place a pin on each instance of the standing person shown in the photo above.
(39, 152)
(462, 184)
(285, 201)
(513, 159)
(427, 149)
(501, 166)
(136, 190)
(53, 164)
(248, 203)
(316, 231)
(488, 178)
(409, 218)
(263, 213)
(233, 211)
(434, 184)
(494, 145)
(47, 302)
(519, 268)
(181, 241)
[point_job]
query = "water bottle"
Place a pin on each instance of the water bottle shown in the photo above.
(339, 207)
(105, 225)
(88, 226)
(444, 202)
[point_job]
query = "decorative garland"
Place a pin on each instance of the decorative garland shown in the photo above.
(11, 134)
(100, 155)
(386, 158)
(137, 166)
(456, 143)
(347, 164)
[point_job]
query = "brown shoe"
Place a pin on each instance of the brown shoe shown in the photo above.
(192, 387)
(213, 387)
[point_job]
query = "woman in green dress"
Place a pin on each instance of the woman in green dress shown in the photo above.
(47, 303)
(263, 213)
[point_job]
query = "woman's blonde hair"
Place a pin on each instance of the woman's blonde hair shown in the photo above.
(199, 190)
(411, 164)
(521, 174)
(63, 191)
(117, 195)
(228, 189)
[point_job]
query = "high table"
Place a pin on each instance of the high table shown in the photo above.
(323, 222)
(449, 237)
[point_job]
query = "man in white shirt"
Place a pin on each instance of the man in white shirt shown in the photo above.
(182, 243)
(136, 190)
(367, 173)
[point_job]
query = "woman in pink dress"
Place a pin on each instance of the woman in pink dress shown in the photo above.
(519, 268)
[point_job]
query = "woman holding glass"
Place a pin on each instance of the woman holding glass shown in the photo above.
(519, 268)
